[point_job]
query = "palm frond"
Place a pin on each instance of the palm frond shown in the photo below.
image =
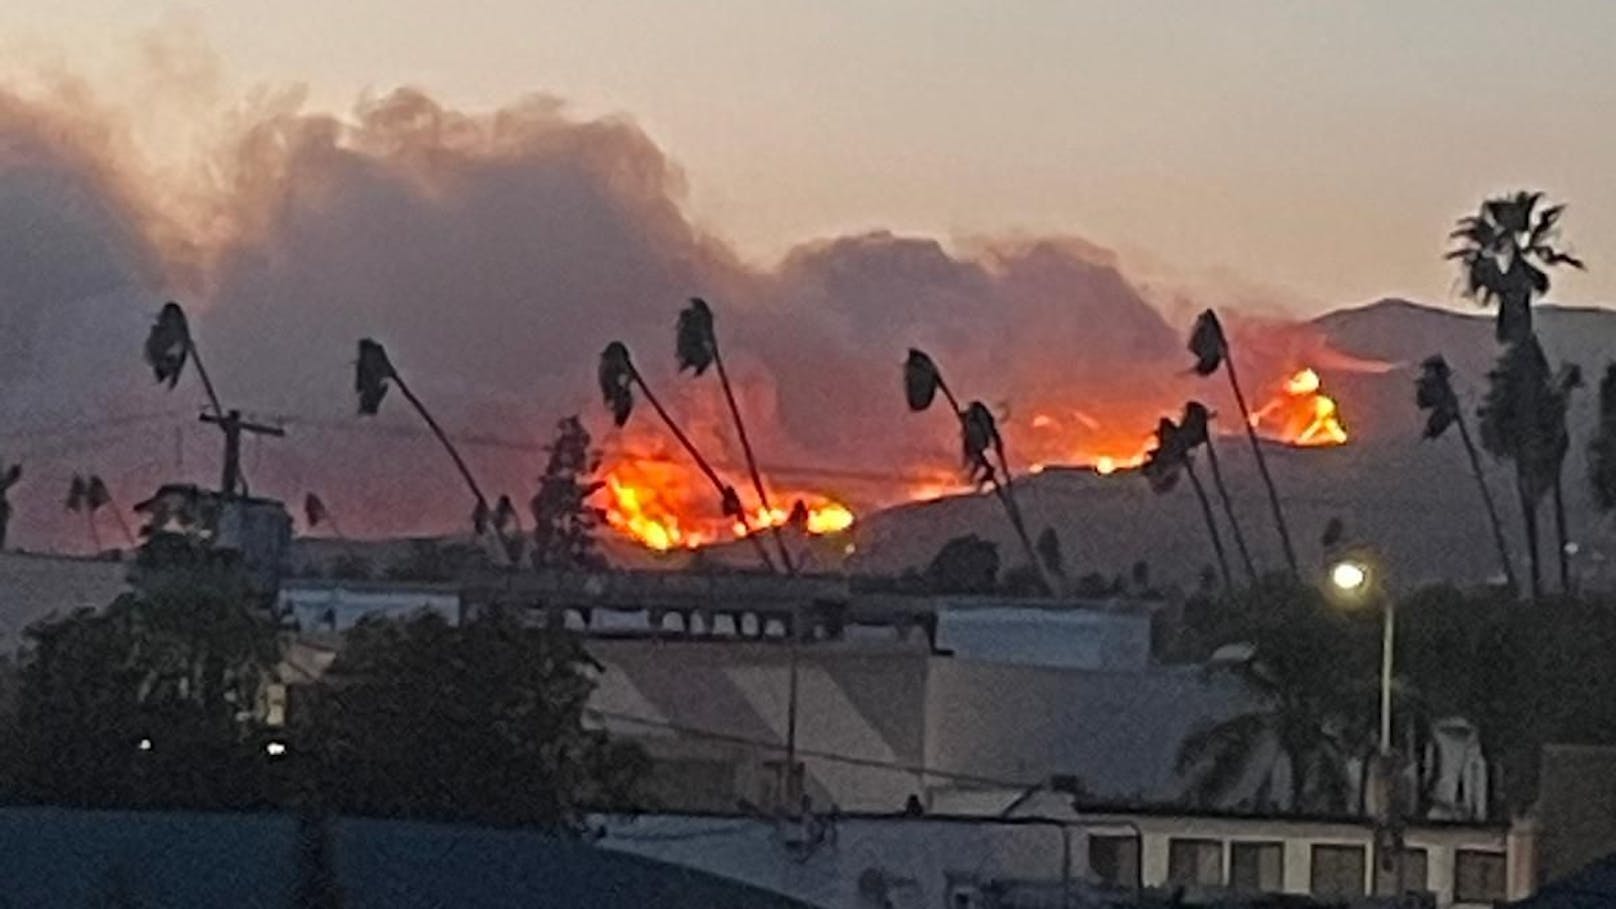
(1433, 392)
(168, 344)
(372, 373)
(314, 510)
(617, 381)
(1193, 427)
(96, 494)
(1208, 343)
(1164, 462)
(695, 343)
(979, 434)
(921, 380)
(76, 491)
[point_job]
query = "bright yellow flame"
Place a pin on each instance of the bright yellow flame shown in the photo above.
(655, 508)
(1104, 465)
(1301, 415)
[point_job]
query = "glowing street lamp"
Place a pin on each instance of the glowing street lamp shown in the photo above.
(1355, 580)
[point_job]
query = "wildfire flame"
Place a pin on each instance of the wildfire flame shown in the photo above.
(665, 505)
(1301, 414)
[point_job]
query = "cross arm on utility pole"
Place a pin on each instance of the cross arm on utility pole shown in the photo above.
(233, 426)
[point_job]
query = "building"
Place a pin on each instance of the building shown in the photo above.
(1046, 848)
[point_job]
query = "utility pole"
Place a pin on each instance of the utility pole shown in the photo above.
(233, 426)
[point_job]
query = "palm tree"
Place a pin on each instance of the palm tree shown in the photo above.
(1504, 251)
(1434, 394)
(696, 347)
(1211, 349)
(169, 346)
(374, 373)
(8, 479)
(1602, 448)
(618, 378)
(1166, 461)
(90, 496)
(1196, 422)
(979, 437)
(1523, 420)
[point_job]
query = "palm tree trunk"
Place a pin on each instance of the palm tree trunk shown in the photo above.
(460, 463)
(751, 464)
(1561, 534)
(1007, 497)
(1262, 466)
(701, 462)
(1228, 510)
(1211, 526)
(1529, 522)
(1504, 560)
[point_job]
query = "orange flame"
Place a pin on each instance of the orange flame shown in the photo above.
(666, 505)
(1301, 414)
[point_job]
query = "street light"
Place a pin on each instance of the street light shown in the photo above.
(1355, 579)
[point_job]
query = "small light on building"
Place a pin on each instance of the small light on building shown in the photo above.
(275, 749)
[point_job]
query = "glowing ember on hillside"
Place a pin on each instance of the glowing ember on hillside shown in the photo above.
(666, 505)
(1300, 414)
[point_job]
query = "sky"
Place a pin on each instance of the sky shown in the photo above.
(1317, 150)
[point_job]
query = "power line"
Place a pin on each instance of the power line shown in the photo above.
(733, 739)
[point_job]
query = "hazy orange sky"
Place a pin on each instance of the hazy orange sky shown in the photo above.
(1320, 149)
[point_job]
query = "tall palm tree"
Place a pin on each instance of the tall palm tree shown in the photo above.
(696, 346)
(1164, 464)
(8, 479)
(1434, 394)
(980, 443)
(1522, 420)
(1197, 423)
(170, 345)
(1602, 448)
(1211, 349)
(618, 378)
(374, 373)
(1504, 251)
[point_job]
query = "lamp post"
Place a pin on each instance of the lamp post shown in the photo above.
(1355, 580)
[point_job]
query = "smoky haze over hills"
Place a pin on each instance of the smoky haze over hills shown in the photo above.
(496, 252)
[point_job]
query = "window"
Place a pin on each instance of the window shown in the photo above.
(1338, 872)
(1195, 862)
(1478, 877)
(1415, 876)
(1257, 867)
(1115, 860)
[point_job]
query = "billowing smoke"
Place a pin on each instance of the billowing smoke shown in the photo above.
(495, 253)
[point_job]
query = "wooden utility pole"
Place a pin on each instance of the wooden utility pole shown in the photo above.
(233, 426)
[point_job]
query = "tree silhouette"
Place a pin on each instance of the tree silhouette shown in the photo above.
(1523, 421)
(696, 346)
(170, 345)
(1602, 448)
(1197, 422)
(373, 375)
(1164, 464)
(1211, 349)
(564, 522)
(618, 379)
(1434, 394)
(981, 445)
(8, 479)
(1504, 251)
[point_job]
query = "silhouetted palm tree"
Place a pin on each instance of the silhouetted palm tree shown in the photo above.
(618, 378)
(1166, 461)
(1602, 448)
(696, 347)
(169, 346)
(979, 438)
(1197, 422)
(1433, 392)
(373, 374)
(1504, 250)
(1523, 420)
(89, 496)
(1211, 349)
(8, 479)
